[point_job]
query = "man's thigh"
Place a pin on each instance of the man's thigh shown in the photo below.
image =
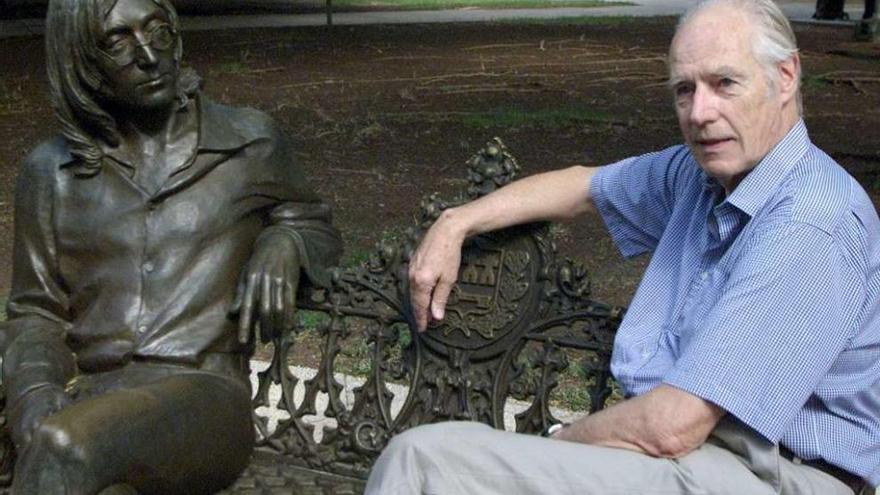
(467, 458)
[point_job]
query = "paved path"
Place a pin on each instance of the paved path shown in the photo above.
(797, 10)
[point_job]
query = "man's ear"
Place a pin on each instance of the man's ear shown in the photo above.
(789, 71)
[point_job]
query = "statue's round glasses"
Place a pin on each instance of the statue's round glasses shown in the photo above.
(123, 49)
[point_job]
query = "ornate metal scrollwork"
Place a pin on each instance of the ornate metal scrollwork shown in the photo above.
(516, 320)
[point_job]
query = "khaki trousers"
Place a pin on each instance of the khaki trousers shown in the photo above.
(467, 458)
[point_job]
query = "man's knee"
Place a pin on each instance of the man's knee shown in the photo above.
(435, 438)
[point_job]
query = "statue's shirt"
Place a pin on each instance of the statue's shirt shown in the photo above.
(120, 273)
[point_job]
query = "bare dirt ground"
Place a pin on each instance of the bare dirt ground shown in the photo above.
(385, 114)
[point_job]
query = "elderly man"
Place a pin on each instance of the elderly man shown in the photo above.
(750, 355)
(151, 239)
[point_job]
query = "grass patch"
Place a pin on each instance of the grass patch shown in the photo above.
(543, 119)
(356, 258)
(580, 20)
(811, 83)
(232, 68)
(457, 4)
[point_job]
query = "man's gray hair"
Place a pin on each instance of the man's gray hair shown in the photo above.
(774, 41)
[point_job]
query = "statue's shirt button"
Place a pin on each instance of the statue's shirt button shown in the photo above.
(148, 267)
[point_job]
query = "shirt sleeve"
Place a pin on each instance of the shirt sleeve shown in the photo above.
(636, 196)
(35, 351)
(784, 314)
(299, 213)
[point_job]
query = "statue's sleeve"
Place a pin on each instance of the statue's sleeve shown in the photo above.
(301, 214)
(35, 353)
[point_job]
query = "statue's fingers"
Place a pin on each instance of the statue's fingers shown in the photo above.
(289, 304)
(266, 325)
(240, 288)
(245, 319)
(278, 304)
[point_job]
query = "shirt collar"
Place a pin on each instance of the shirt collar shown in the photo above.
(219, 130)
(759, 185)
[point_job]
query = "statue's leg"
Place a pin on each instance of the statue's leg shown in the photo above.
(188, 433)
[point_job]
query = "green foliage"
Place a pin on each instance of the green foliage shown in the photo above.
(810, 83)
(543, 119)
(356, 258)
(311, 320)
(581, 20)
(454, 4)
(232, 68)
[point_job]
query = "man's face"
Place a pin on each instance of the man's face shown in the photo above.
(136, 56)
(728, 113)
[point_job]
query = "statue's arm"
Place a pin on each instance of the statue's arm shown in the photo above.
(37, 362)
(299, 239)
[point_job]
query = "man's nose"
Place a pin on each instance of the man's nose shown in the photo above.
(703, 107)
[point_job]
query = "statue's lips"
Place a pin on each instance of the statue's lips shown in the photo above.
(155, 83)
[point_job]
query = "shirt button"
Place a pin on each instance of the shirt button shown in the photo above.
(704, 275)
(148, 267)
(142, 329)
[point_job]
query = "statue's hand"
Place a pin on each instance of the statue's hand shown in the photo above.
(266, 292)
(29, 410)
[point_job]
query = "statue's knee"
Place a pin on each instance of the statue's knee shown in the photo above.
(57, 440)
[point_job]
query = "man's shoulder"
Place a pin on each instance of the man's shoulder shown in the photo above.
(820, 192)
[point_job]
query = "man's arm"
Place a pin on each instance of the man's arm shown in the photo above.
(556, 195)
(665, 422)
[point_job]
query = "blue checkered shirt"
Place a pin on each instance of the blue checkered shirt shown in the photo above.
(765, 302)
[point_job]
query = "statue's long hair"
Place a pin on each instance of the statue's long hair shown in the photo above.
(73, 29)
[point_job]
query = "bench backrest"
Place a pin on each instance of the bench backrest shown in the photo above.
(517, 318)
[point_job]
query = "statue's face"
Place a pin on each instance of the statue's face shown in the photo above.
(136, 56)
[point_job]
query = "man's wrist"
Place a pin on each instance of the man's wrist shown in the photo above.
(555, 428)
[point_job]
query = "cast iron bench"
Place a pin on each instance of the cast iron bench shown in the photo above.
(517, 320)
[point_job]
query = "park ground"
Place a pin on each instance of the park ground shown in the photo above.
(382, 115)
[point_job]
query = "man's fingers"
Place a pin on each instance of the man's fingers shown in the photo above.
(440, 298)
(420, 296)
(245, 320)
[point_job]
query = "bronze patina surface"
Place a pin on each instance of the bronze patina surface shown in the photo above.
(153, 237)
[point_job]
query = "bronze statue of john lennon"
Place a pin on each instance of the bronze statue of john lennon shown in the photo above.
(153, 237)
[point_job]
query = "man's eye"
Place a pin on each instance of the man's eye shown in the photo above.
(726, 82)
(683, 90)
